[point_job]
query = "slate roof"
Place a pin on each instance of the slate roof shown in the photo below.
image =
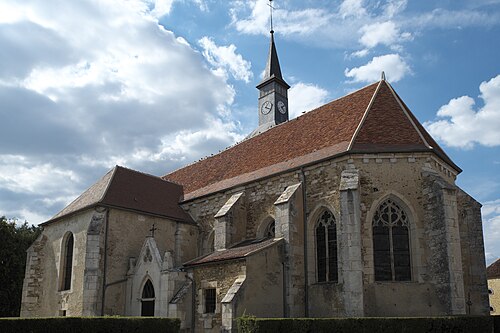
(131, 190)
(273, 69)
(493, 270)
(238, 251)
(371, 120)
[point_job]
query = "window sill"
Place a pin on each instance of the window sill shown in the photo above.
(325, 283)
(395, 282)
(65, 292)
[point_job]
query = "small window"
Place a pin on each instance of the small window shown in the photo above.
(67, 268)
(270, 230)
(148, 300)
(492, 309)
(210, 300)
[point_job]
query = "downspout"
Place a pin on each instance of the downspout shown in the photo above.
(193, 302)
(304, 221)
(284, 287)
(105, 261)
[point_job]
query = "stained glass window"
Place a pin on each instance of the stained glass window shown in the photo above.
(391, 243)
(326, 248)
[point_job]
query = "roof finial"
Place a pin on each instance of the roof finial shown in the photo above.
(382, 77)
(271, 15)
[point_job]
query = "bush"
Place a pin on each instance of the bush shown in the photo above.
(89, 324)
(459, 324)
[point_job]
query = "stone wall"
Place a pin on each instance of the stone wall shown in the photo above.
(473, 259)
(42, 295)
(494, 296)
(127, 232)
(434, 240)
(220, 276)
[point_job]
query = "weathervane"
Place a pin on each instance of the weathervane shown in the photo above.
(271, 14)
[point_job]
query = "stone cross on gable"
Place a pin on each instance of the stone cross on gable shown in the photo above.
(153, 230)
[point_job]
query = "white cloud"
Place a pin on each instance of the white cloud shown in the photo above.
(394, 7)
(443, 18)
(352, 8)
(386, 33)
(305, 97)
(360, 54)
(160, 7)
(295, 22)
(99, 84)
(465, 124)
(491, 229)
(393, 65)
(226, 58)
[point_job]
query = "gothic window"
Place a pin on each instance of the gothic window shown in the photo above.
(326, 248)
(148, 300)
(67, 268)
(391, 243)
(269, 233)
(210, 300)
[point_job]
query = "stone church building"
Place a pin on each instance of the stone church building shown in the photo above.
(350, 209)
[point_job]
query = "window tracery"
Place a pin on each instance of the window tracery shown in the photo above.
(326, 248)
(391, 243)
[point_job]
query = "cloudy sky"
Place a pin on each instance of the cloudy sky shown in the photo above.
(154, 85)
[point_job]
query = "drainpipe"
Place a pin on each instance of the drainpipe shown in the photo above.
(193, 302)
(284, 287)
(306, 266)
(105, 261)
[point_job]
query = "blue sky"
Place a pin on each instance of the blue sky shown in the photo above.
(154, 85)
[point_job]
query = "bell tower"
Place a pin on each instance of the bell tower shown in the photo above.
(273, 91)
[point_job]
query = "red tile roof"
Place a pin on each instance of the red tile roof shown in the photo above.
(493, 270)
(132, 190)
(371, 120)
(238, 251)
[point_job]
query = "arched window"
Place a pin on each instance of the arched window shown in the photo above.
(148, 300)
(67, 268)
(391, 243)
(326, 248)
(270, 230)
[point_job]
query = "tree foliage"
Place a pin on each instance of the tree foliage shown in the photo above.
(14, 241)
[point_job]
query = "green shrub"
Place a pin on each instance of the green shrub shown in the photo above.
(496, 323)
(459, 324)
(89, 324)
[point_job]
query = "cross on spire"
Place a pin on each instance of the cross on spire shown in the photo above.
(271, 14)
(153, 230)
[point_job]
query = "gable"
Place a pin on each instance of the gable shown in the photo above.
(131, 190)
(386, 124)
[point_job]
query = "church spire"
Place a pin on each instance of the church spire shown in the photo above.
(273, 65)
(273, 91)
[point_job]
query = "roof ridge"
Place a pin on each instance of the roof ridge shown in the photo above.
(365, 114)
(101, 199)
(246, 139)
(408, 116)
(141, 172)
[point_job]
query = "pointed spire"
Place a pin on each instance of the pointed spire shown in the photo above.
(382, 76)
(273, 65)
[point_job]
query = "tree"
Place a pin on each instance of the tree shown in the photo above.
(14, 241)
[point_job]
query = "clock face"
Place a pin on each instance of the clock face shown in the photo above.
(266, 107)
(281, 107)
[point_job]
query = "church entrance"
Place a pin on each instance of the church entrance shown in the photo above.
(148, 300)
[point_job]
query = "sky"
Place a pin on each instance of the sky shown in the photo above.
(155, 85)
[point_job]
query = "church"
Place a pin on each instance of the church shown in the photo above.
(350, 210)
